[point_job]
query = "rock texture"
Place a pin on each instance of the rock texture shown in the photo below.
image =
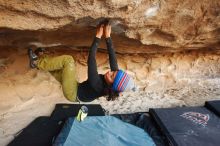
(164, 80)
(170, 47)
(139, 26)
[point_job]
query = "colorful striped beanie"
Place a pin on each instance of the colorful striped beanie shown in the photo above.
(123, 82)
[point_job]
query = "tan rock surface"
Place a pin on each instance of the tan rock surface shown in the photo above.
(171, 48)
(139, 25)
(164, 80)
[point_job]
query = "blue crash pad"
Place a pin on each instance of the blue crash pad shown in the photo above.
(102, 131)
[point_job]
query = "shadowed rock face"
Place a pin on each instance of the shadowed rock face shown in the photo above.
(139, 26)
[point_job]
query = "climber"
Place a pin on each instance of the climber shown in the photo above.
(63, 69)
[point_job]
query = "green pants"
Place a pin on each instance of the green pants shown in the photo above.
(63, 69)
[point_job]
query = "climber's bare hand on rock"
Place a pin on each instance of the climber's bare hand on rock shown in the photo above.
(108, 29)
(99, 31)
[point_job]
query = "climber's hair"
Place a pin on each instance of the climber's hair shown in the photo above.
(112, 95)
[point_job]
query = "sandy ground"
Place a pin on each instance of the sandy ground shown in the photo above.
(26, 94)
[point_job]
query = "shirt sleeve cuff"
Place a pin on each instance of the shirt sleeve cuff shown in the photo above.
(97, 39)
(108, 39)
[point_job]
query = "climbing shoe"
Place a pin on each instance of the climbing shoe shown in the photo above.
(32, 58)
(39, 51)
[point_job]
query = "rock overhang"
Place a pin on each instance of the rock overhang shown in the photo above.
(139, 26)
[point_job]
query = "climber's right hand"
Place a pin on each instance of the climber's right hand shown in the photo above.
(99, 31)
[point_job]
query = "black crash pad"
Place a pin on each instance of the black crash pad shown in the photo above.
(43, 130)
(40, 132)
(188, 126)
(64, 111)
(214, 106)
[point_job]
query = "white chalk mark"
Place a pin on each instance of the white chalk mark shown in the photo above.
(38, 44)
(152, 11)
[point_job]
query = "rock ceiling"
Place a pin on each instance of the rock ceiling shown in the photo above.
(139, 26)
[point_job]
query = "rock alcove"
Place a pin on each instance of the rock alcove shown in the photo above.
(170, 47)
